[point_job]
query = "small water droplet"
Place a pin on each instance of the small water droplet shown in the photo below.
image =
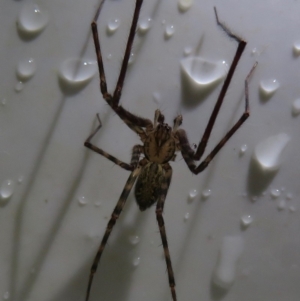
(289, 196)
(254, 198)
(296, 48)
(136, 261)
(184, 5)
(267, 153)
(187, 50)
(20, 179)
(192, 194)
(281, 204)
(33, 18)
(275, 193)
(134, 239)
(156, 97)
(186, 216)
(6, 189)
(169, 31)
(296, 107)
(109, 56)
(19, 86)
(206, 193)
(97, 203)
(131, 58)
(246, 220)
(112, 26)
(243, 149)
(82, 201)
(144, 25)
(254, 51)
(76, 72)
(3, 101)
(268, 87)
(292, 208)
(6, 296)
(201, 73)
(26, 69)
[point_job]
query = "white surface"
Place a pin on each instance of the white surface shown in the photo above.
(48, 240)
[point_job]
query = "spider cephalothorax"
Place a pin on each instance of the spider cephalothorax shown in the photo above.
(153, 173)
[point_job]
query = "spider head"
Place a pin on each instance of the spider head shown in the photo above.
(162, 133)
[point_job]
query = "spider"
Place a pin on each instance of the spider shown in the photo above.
(152, 173)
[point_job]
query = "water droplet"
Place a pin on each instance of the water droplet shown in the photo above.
(243, 149)
(144, 25)
(156, 97)
(281, 204)
(131, 58)
(26, 69)
(20, 179)
(254, 198)
(184, 5)
(76, 72)
(296, 107)
(246, 220)
(187, 50)
(134, 239)
(296, 48)
(112, 26)
(292, 208)
(82, 201)
(186, 216)
(97, 203)
(19, 86)
(6, 296)
(109, 56)
(289, 196)
(136, 261)
(201, 73)
(267, 152)
(6, 189)
(169, 31)
(3, 101)
(33, 18)
(254, 51)
(231, 249)
(275, 193)
(206, 193)
(268, 87)
(192, 194)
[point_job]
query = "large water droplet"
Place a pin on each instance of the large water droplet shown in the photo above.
(144, 25)
(296, 107)
(76, 72)
(6, 189)
(267, 153)
(184, 5)
(169, 31)
(26, 69)
(231, 249)
(112, 26)
(201, 73)
(268, 87)
(192, 194)
(33, 18)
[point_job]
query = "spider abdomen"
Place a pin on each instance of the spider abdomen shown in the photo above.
(148, 185)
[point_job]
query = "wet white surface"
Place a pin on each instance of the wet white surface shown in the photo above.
(48, 241)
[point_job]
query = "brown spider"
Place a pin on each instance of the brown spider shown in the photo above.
(160, 143)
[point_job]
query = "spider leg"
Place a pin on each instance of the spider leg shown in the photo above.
(137, 149)
(188, 153)
(134, 122)
(214, 114)
(115, 215)
(160, 220)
